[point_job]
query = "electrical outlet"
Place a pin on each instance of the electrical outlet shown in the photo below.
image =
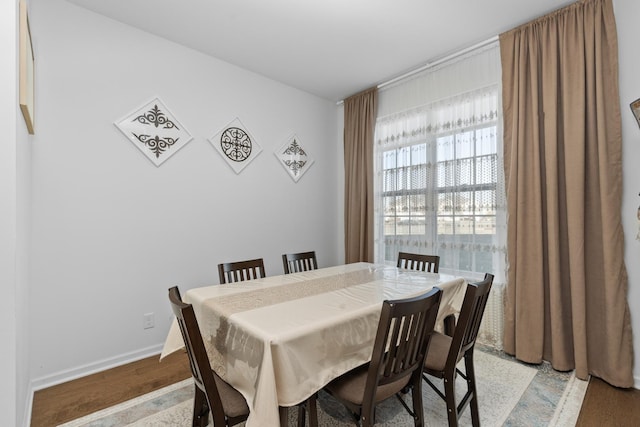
(147, 321)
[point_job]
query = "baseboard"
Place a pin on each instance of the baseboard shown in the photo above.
(28, 407)
(636, 384)
(92, 368)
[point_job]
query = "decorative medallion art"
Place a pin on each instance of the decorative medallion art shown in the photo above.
(236, 145)
(155, 131)
(294, 158)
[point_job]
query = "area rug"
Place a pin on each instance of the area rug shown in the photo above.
(501, 383)
(568, 408)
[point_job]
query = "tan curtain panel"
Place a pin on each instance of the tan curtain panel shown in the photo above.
(359, 125)
(567, 292)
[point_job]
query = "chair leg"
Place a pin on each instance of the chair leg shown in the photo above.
(367, 416)
(301, 415)
(200, 409)
(450, 398)
(313, 411)
(471, 385)
(418, 410)
(310, 407)
(284, 416)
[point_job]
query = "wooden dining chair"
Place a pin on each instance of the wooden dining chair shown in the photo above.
(399, 351)
(239, 271)
(446, 351)
(212, 394)
(301, 261)
(419, 262)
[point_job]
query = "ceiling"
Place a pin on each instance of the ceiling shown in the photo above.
(330, 48)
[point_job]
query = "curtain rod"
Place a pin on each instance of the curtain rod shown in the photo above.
(435, 63)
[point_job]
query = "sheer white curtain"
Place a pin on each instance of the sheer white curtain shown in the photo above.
(439, 183)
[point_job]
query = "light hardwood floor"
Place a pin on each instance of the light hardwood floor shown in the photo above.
(65, 402)
(603, 405)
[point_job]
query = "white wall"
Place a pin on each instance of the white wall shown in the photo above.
(15, 146)
(8, 282)
(627, 13)
(23, 274)
(111, 231)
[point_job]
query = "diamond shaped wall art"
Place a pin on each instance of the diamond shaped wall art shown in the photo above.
(295, 159)
(236, 145)
(155, 131)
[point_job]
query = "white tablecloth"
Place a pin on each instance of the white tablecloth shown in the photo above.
(280, 339)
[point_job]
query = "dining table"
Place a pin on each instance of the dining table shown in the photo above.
(280, 339)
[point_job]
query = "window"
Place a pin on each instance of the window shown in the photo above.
(439, 185)
(438, 173)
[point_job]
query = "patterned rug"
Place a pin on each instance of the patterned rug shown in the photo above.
(510, 394)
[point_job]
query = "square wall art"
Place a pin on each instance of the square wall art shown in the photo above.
(295, 159)
(26, 94)
(236, 145)
(155, 131)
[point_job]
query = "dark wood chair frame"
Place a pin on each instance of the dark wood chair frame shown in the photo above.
(462, 346)
(239, 271)
(301, 261)
(207, 396)
(419, 262)
(399, 351)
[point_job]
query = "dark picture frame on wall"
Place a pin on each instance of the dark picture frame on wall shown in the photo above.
(27, 96)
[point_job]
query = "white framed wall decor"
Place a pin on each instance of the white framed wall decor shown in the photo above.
(155, 131)
(26, 91)
(294, 158)
(236, 145)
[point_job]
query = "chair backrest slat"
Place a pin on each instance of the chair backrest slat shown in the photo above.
(301, 261)
(240, 271)
(402, 339)
(418, 262)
